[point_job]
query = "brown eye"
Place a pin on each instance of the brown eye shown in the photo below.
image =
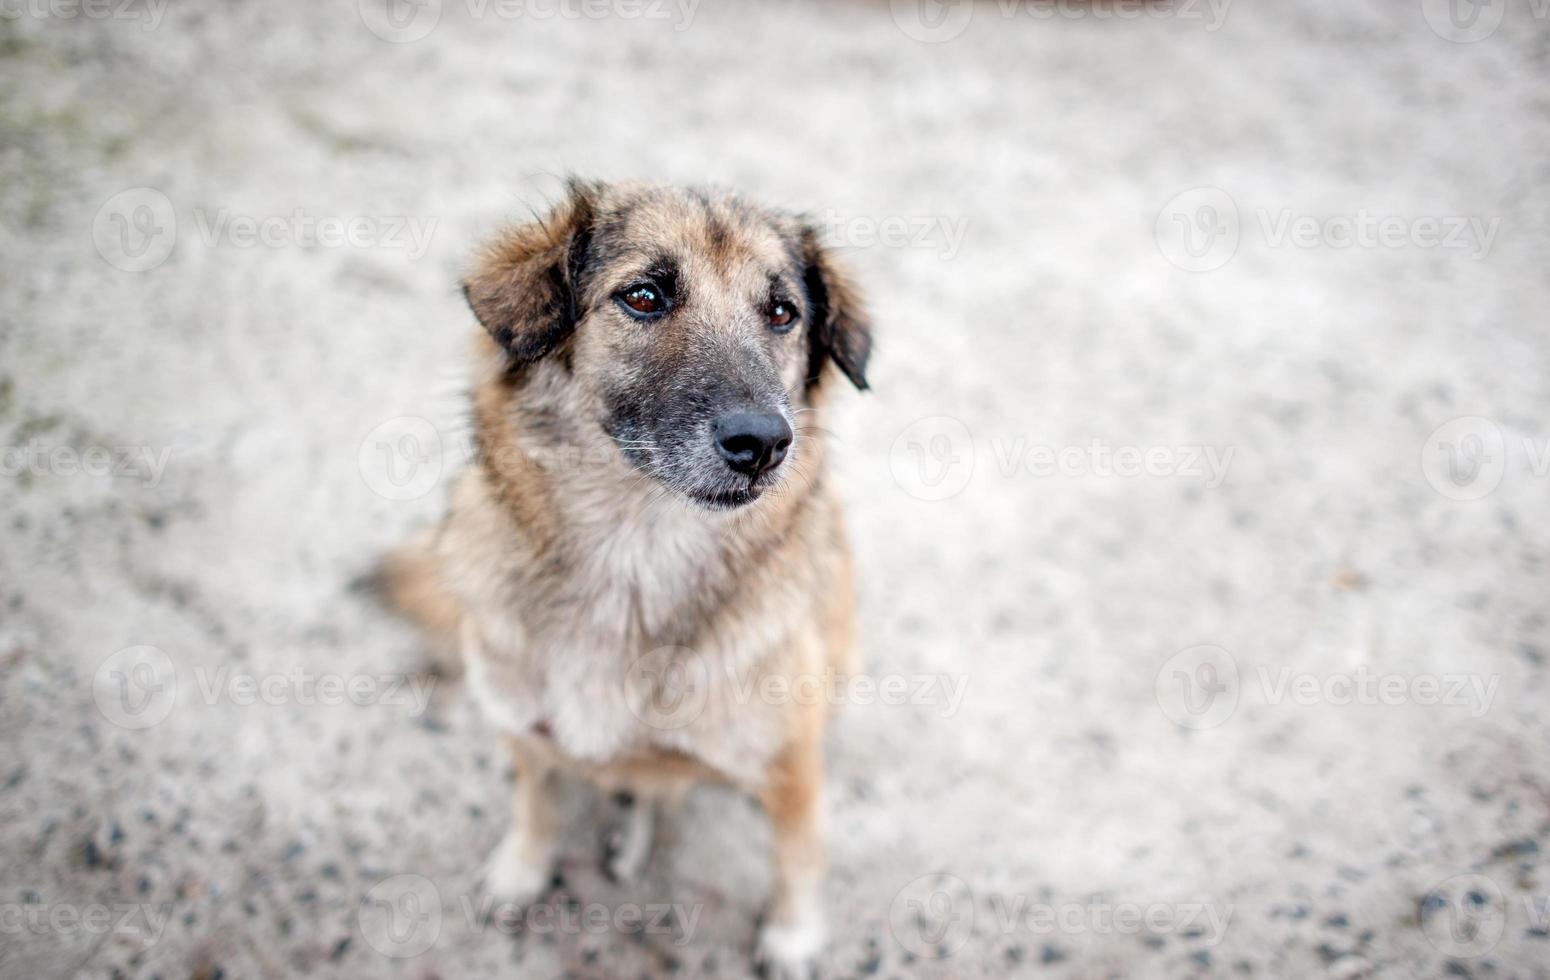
(782, 316)
(644, 299)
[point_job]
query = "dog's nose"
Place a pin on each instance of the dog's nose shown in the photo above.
(752, 442)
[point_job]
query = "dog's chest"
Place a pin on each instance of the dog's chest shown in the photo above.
(613, 678)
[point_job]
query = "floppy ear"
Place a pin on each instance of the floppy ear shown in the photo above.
(524, 286)
(840, 329)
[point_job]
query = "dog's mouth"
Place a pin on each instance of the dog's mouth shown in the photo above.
(727, 499)
(712, 485)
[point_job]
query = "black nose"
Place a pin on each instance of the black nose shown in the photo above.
(752, 442)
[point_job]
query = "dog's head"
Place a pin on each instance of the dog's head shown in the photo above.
(698, 324)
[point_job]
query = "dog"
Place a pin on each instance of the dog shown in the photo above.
(647, 538)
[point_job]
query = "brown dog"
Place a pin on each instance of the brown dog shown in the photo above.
(647, 542)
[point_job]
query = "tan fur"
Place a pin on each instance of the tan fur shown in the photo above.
(412, 581)
(564, 568)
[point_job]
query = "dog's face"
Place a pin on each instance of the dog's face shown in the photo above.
(700, 326)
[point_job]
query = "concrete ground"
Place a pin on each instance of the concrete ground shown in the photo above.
(1199, 506)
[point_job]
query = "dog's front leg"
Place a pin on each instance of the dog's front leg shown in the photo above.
(519, 870)
(794, 929)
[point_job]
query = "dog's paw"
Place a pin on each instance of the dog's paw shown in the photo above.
(789, 952)
(511, 875)
(623, 859)
(627, 848)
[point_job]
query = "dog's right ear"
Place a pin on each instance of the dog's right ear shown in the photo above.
(524, 288)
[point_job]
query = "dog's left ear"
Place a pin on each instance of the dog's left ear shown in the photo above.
(840, 329)
(525, 287)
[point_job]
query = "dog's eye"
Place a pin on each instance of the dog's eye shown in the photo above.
(782, 316)
(643, 299)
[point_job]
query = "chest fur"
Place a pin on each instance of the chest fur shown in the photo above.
(645, 640)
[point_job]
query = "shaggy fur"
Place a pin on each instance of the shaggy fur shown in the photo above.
(620, 597)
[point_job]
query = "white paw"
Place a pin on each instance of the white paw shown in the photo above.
(625, 862)
(790, 952)
(512, 875)
(628, 847)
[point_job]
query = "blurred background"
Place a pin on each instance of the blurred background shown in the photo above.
(1199, 504)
